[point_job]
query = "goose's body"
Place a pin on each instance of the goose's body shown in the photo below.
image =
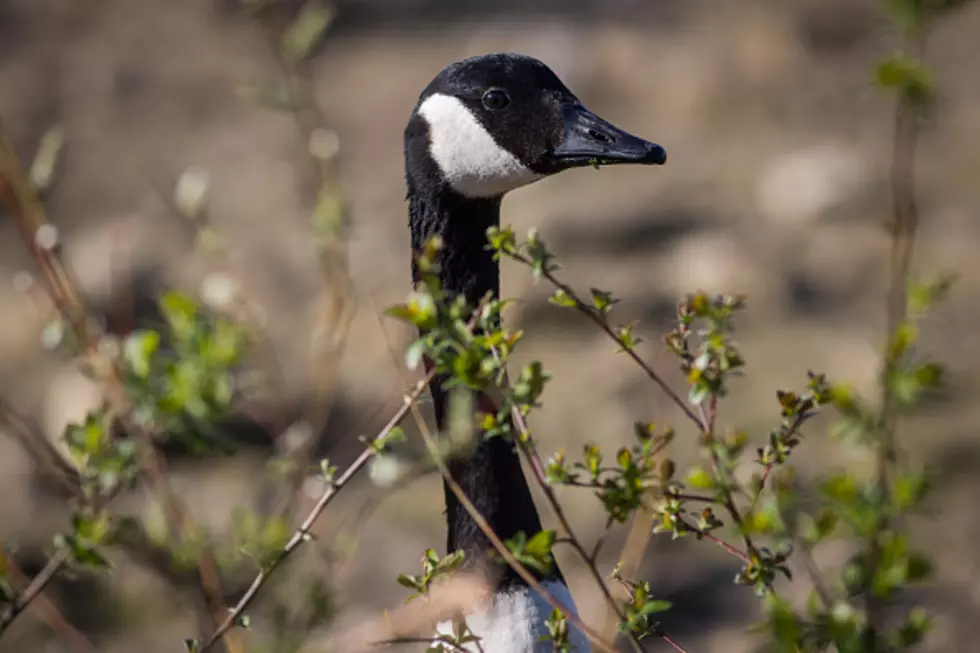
(483, 127)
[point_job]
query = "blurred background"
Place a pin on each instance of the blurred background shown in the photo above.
(776, 187)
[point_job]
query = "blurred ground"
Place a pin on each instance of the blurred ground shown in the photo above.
(775, 187)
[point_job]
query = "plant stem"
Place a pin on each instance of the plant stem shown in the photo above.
(904, 222)
(71, 636)
(302, 534)
(47, 574)
(526, 445)
(601, 541)
(741, 555)
(496, 541)
(600, 321)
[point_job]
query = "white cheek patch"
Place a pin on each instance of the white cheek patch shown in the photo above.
(468, 157)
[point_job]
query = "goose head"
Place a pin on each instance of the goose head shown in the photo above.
(490, 124)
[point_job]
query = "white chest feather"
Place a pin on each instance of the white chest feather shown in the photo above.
(515, 623)
(467, 155)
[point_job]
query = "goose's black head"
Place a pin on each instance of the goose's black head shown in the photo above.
(489, 124)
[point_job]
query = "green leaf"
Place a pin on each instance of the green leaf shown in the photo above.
(592, 457)
(902, 340)
(841, 487)
(306, 30)
(327, 471)
(414, 354)
(815, 528)
(626, 338)
(180, 312)
(765, 518)
(84, 556)
(411, 582)
(698, 393)
(534, 553)
(400, 312)
(909, 77)
(624, 458)
(452, 561)
(502, 240)
(908, 490)
(541, 543)
(563, 299)
(699, 479)
(924, 294)
(913, 631)
(602, 300)
(929, 376)
(47, 157)
(224, 345)
(655, 606)
(919, 568)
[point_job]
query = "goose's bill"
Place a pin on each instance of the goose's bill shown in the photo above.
(590, 140)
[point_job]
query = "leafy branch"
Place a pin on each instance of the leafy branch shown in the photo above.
(32, 591)
(476, 363)
(303, 534)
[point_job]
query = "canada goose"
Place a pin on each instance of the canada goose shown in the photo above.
(483, 127)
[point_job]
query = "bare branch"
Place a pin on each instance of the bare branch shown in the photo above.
(49, 463)
(71, 636)
(24, 599)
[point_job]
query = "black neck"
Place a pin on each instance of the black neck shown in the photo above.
(491, 477)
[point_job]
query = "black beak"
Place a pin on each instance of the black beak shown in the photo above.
(590, 140)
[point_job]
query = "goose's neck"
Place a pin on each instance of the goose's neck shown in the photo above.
(491, 477)
(466, 267)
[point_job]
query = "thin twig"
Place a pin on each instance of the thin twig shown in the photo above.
(335, 298)
(71, 636)
(741, 555)
(600, 322)
(526, 445)
(601, 540)
(670, 494)
(482, 524)
(712, 413)
(498, 544)
(207, 567)
(302, 533)
(728, 502)
(631, 556)
(769, 467)
(687, 496)
(525, 442)
(905, 218)
(813, 571)
(394, 641)
(47, 574)
(49, 462)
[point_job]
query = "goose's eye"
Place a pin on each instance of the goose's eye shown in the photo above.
(495, 99)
